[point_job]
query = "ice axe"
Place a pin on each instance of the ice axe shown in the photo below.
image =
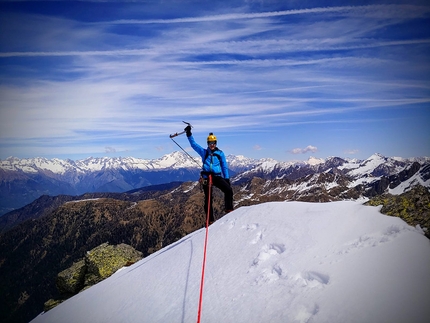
(180, 133)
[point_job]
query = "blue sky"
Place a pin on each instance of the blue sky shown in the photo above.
(279, 79)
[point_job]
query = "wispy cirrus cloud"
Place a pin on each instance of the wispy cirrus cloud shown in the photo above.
(385, 11)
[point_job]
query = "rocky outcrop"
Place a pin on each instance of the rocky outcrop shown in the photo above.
(413, 207)
(71, 280)
(103, 261)
(98, 264)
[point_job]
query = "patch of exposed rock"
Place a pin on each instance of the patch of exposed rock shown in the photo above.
(97, 265)
(71, 280)
(413, 207)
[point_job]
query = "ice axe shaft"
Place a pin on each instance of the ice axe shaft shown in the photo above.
(180, 133)
(177, 134)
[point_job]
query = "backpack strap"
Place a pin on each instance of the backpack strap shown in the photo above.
(207, 154)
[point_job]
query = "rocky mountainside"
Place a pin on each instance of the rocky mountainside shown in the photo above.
(46, 204)
(333, 179)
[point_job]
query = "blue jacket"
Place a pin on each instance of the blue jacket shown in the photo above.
(213, 161)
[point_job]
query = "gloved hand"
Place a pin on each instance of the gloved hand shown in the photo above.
(188, 130)
(228, 181)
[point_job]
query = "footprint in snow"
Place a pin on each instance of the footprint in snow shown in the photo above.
(364, 241)
(304, 313)
(250, 227)
(269, 275)
(267, 252)
(312, 279)
(258, 237)
(232, 223)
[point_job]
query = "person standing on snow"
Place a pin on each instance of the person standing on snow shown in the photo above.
(215, 164)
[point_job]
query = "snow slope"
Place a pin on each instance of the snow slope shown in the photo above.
(274, 262)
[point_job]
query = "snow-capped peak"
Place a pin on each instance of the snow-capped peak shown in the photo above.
(315, 161)
(371, 165)
(33, 165)
(177, 159)
(174, 160)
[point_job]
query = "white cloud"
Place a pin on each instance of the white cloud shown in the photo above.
(309, 148)
(110, 150)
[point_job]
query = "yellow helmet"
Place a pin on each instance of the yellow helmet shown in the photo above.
(211, 137)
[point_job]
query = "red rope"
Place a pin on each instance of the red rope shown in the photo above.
(204, 251)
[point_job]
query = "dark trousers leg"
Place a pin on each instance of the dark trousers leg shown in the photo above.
(225, 187)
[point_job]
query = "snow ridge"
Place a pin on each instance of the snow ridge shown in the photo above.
(273, 262)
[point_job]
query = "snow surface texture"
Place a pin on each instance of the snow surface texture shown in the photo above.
(274, 262)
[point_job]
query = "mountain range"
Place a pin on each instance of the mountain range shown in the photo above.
(24, 180)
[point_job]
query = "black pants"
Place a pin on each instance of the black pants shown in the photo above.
(225, 187)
